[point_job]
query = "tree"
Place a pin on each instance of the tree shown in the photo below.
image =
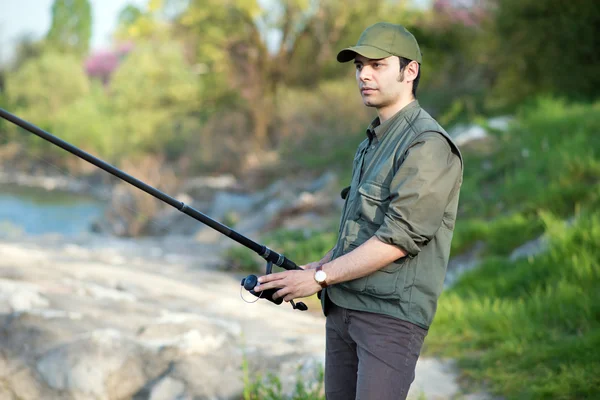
(151, 92)
(43, 87)
(252, 50)
(136, 24)
(547, 46)
(71, 27)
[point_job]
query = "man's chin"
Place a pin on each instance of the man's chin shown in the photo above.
(369, 103)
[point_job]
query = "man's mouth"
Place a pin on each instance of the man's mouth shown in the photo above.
(367, 90)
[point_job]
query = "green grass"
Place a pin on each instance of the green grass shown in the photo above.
(258, 386)
(530, 329)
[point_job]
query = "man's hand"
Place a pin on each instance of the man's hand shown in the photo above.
(292, 284)
(311, 265)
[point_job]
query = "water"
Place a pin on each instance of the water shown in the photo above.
(37, 211)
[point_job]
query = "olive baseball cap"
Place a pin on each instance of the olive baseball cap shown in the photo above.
(382, 40)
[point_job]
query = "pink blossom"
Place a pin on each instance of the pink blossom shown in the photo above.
(102, 63)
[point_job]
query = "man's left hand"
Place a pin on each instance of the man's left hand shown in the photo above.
(292, 284)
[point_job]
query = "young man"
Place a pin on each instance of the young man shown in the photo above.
(381, 282)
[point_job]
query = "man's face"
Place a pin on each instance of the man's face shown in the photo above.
(379, 81)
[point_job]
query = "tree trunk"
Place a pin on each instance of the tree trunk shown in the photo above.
(261, 120)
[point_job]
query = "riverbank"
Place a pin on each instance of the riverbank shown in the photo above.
(148, 316)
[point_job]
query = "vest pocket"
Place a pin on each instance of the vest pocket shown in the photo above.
(381, 283)
(373, 202)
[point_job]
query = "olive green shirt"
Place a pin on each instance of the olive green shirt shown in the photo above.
(405, 186)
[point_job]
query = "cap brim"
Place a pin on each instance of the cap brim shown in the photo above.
(348, 54)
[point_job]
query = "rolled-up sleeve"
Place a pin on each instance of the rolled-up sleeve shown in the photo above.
(420, 192)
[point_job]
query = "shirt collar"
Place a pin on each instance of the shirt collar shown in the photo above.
(378, 130)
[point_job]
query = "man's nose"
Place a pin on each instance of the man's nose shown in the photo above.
(365, 73)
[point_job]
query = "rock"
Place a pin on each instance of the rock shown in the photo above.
(203, 188)
(531, 248)
(463, 134)
(234, 203)
(501, 123)
(151, 328)
(462, 263)
(20, 296)
(88, 186)
(84, 365)
(169, 389)
(431, 380)
(324, 182)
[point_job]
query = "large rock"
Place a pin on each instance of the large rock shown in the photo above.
(154, 326)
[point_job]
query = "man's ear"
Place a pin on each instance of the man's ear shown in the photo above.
(411, 71)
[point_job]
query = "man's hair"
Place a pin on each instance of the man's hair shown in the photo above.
(403, 63)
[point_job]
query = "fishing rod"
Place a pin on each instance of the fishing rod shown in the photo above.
(249, 282)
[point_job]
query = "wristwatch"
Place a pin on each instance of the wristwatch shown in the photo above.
(321, 276)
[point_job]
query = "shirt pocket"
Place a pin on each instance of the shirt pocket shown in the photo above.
(373, 202)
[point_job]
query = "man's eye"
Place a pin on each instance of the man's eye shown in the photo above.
(376, 65)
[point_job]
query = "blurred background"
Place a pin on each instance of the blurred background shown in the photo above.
(239, 108)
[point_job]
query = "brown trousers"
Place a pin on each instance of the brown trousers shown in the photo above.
(369, 356)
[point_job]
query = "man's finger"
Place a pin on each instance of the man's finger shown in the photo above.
(280, 293)
(271, 277)
(289, 297)
(269, 285)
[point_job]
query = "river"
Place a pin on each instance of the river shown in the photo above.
(34, 211)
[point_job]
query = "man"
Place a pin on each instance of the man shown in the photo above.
(381, 282)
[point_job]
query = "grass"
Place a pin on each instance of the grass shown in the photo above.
(530, 329)
(270, 387)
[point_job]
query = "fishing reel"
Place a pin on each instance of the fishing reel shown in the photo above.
(250, 282)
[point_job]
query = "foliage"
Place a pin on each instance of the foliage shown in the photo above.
(44, 87)
(234, 42)
(213, 83)
(270, 387)
(530, 328)
(548, 160)
(136, 24)
(88, 123)
(152, 93)
(71, 27)
(546, 47)
(313, 139)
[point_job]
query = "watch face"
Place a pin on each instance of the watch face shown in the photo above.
(320, 276)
